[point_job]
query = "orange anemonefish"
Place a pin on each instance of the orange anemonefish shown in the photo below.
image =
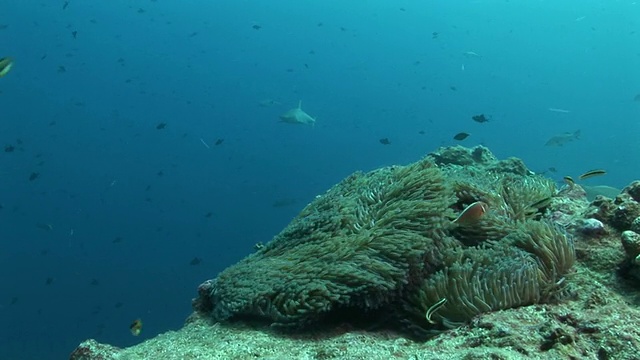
(472, 213)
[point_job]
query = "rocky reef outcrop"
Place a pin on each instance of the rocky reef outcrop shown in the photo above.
(385, 245)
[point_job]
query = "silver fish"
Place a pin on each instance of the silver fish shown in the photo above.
(561, 139)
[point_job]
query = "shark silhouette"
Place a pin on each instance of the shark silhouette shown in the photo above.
(297, 116)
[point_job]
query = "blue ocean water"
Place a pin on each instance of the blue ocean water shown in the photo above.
(143, 151)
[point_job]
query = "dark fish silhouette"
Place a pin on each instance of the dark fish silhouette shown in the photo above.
(218, 142)
(461, 136)
(480, 118)
(161, 126)
(195, 261)
(385, 141)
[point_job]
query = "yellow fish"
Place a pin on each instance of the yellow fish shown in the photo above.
(136, 327)
(5, 66)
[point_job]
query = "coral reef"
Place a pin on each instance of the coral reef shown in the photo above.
(520, 252)
(384, 243)
(623, 214)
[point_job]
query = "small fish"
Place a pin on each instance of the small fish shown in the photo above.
(563, 111)
(136, 327)
(256, 27)
(5, 66)
(471, 54)
(461, 136)
(385, 141)
(472, 213)
(45, 227)
(434, 308)
(480, 118)
(569, 181)
(559, 140)
(48, 281)
(66, 3)
(195, 261)
(161, 126)
(541, 204)
(62, 69)
(218, 142)
(74, 33)
(33, 176)
(268, 103)
(204, 143)
(592, 173)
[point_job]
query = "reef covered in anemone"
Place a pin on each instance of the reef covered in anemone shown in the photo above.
(384, 245)
(381, 261)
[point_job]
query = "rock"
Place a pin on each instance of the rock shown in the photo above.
(592, 227)
(93, 350)
(635, 225)
(633, 190)
(620, 212)
(631, 244)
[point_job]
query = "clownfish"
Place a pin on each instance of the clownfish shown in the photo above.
(472, 213)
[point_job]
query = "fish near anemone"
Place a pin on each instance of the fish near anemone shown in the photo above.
(472, 213)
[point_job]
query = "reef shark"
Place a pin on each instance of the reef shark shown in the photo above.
(297, 116)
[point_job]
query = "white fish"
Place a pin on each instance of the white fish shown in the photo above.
(204, 143)
(559, 110)
(471, 54)
(297, 116)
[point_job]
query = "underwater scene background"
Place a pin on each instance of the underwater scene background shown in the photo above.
(144, 147)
